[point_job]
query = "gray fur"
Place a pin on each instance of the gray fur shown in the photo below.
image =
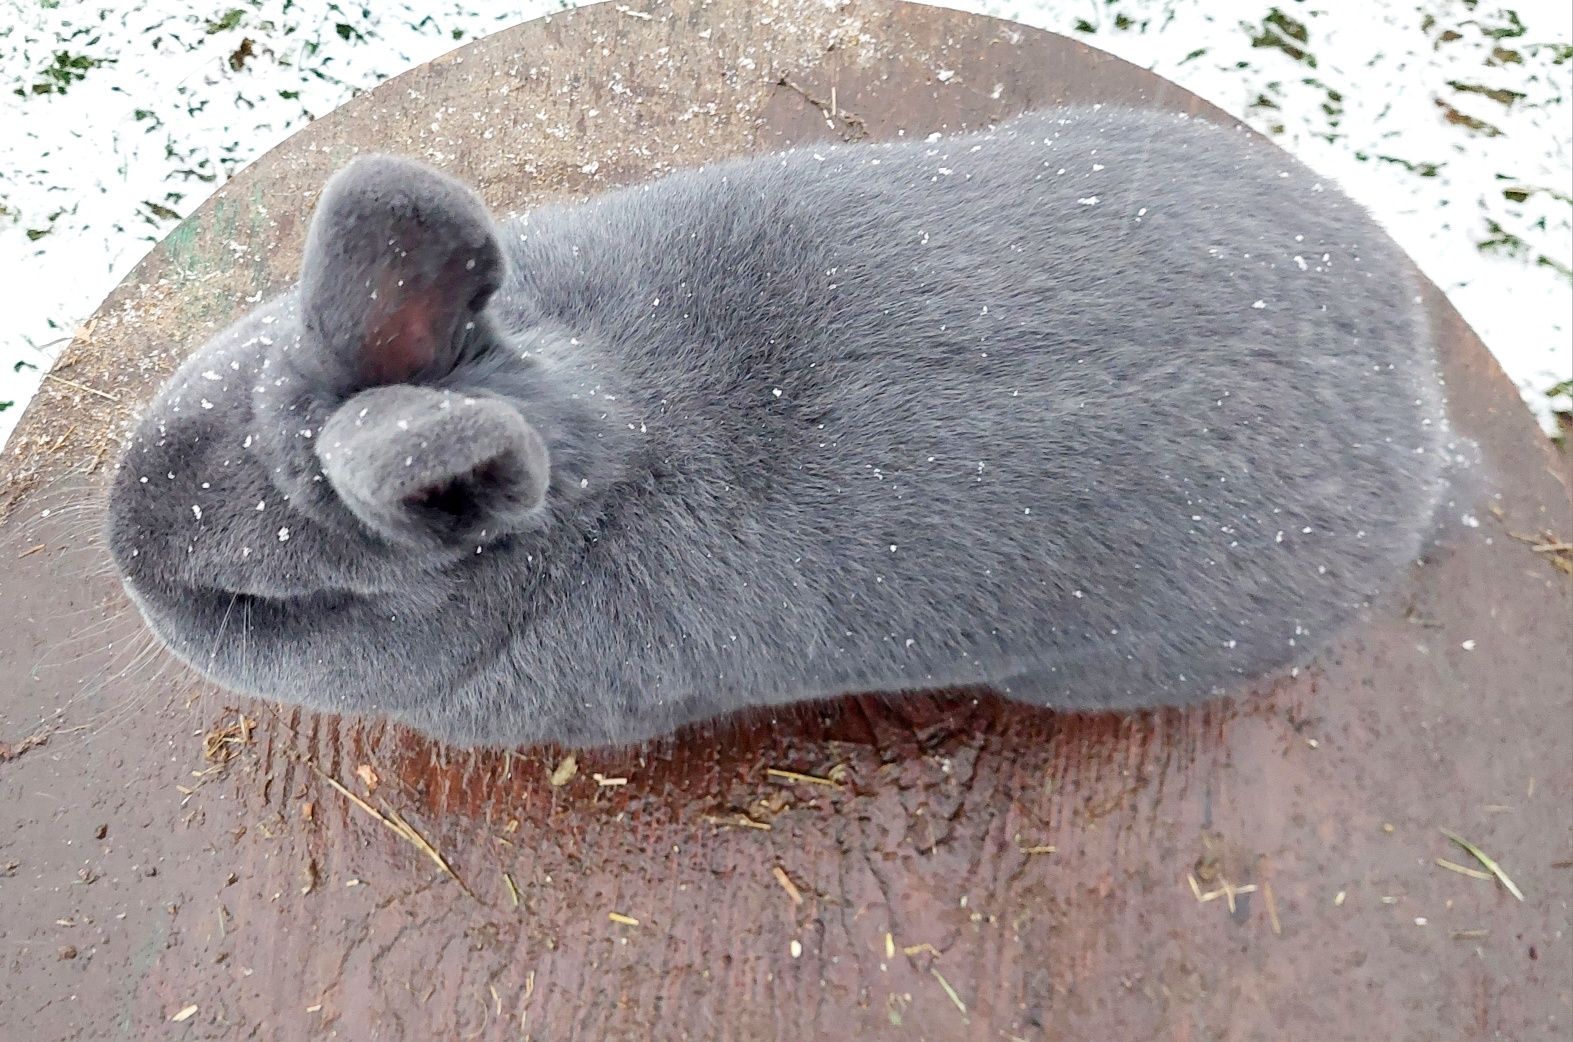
(1101, 409)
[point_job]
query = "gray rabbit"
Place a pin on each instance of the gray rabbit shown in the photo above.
(1099, 409)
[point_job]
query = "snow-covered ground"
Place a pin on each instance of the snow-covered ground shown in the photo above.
(1449, 119)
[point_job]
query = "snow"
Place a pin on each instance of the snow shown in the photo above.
(1451, 124)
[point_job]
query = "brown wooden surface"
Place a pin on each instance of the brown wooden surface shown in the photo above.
(138, 878)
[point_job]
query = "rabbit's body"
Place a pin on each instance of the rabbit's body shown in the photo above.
(1100, 409)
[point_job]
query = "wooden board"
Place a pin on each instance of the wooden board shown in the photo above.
(930, 869)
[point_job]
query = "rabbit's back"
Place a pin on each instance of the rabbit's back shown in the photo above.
(1119, 405)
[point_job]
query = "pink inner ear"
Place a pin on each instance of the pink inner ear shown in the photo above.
(401, 344)
(415, 312)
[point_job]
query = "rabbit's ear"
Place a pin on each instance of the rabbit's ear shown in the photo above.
(430, 468)
(399, 261)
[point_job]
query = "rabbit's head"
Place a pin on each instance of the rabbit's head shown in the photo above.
(311, 509)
